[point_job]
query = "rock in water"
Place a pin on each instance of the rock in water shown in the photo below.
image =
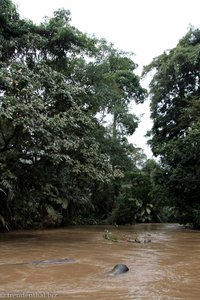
(118, 269)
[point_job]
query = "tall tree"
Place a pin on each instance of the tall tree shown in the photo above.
(175, 136)
(48, 153)
(54, 80)
(113, 87)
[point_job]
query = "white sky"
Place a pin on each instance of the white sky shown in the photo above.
(145, 27)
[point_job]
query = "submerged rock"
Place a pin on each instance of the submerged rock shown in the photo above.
(118, 269)
(58, 261)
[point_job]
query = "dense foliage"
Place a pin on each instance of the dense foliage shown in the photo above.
(175, 137)
(61, 161)
(65, 119)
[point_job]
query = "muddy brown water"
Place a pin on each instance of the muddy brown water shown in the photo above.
(166, 268)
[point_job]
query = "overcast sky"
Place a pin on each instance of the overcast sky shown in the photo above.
(145, 27)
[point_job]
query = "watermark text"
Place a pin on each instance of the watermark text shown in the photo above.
(27, 295)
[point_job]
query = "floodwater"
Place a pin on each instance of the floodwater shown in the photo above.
(168, 267)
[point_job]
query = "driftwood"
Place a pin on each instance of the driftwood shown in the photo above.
(139, 240)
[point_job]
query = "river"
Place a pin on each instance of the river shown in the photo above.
(165, 268)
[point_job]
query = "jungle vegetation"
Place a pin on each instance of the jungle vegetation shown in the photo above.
(175, 136)
(65, 119)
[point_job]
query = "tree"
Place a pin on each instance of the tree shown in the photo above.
(175, 136)
(54, 149)
(114, 86)
(48, 154)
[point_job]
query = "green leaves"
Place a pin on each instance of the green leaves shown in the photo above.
(43, 124)
(175, 98)
(55, 81)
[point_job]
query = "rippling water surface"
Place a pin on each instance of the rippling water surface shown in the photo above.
(166, 268)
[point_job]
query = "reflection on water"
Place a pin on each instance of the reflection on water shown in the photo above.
(166, 268)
